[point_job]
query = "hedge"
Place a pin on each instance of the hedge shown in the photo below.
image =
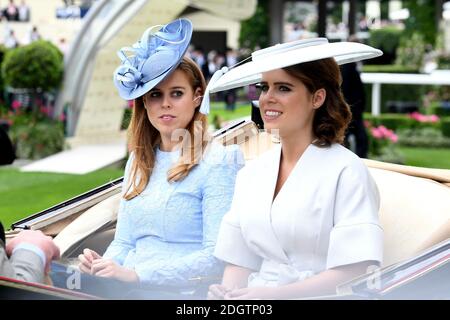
(389, 68)
(445, 126)
(395, 121)
(394, 92)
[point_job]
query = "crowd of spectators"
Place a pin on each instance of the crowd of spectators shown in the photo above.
(13, 12)
(211, 62)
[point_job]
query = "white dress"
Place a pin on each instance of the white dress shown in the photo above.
(324, 216)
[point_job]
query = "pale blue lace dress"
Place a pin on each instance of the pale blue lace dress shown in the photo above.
(167, 234)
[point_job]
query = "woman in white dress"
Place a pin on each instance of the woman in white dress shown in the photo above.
(304, 216)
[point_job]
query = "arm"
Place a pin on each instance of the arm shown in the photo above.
(24, 265)
(31, 253)
(322, 284)
(123, 241)
(117, 251)
(234, 277)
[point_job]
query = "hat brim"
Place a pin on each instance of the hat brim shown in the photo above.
(251, 72)
(143, 89)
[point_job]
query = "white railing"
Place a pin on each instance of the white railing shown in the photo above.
(439, 77)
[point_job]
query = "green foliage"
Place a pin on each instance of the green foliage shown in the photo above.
(396, 92)
(390, 68)
(424, 137)
(421, 20)
(3, 51)
(255, 30)
(126, 118)
(391, 121)
(411, 51)
(33, 134)
(37, 139)
(445, 126)
(443, 61)
(390, 154)
(386, 39)
(382, 144)
(441, 111)
(38, 65)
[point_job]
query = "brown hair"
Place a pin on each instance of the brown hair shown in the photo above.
(144, 138)
(332, 118)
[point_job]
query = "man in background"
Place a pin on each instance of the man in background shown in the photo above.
(354, 95)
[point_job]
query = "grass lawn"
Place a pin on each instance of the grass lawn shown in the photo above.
(426, 157)
(24, 193)
(218, 109)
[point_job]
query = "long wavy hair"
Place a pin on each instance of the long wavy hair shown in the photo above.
(333, 117)
(144, 137)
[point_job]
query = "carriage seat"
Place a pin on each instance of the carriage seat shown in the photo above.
(414, 208)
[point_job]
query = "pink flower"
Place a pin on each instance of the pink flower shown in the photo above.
(423, 118)
(62, 117)
(377, 133)
(393, 138)
(130, 104)
(433, 118)
(384, 131)
(16, 104)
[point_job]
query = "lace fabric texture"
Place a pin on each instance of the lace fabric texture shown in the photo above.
(167, 234)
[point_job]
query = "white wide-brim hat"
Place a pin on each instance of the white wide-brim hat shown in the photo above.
(292, 53)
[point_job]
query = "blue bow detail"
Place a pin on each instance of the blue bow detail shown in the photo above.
(153, 55)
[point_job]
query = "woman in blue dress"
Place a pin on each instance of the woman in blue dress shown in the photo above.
(177, 184)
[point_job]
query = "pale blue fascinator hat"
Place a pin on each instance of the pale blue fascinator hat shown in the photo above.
(153, 58)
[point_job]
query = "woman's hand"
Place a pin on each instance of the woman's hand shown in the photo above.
(217, 292)
(108, 268)
(86, 259)
(252, 293)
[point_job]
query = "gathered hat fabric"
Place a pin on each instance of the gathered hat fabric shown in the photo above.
(292, 53)
(153, 58)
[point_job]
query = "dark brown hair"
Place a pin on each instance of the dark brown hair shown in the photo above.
(332, 118)
(144, 137)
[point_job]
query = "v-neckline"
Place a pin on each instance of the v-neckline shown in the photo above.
(277, 172)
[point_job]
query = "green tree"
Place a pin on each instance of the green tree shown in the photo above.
(421, 19)
(255, 30)
(37, 65)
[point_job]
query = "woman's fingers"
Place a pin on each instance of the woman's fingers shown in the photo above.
(84, 269)
(95, 254)
(85, 265)
(107, 273)
(236, 294)
(88, 255)
(84, 261)
(217, 290)
(100, 264)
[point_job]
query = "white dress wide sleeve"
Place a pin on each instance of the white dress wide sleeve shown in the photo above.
(231, 246)
(356, 235)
